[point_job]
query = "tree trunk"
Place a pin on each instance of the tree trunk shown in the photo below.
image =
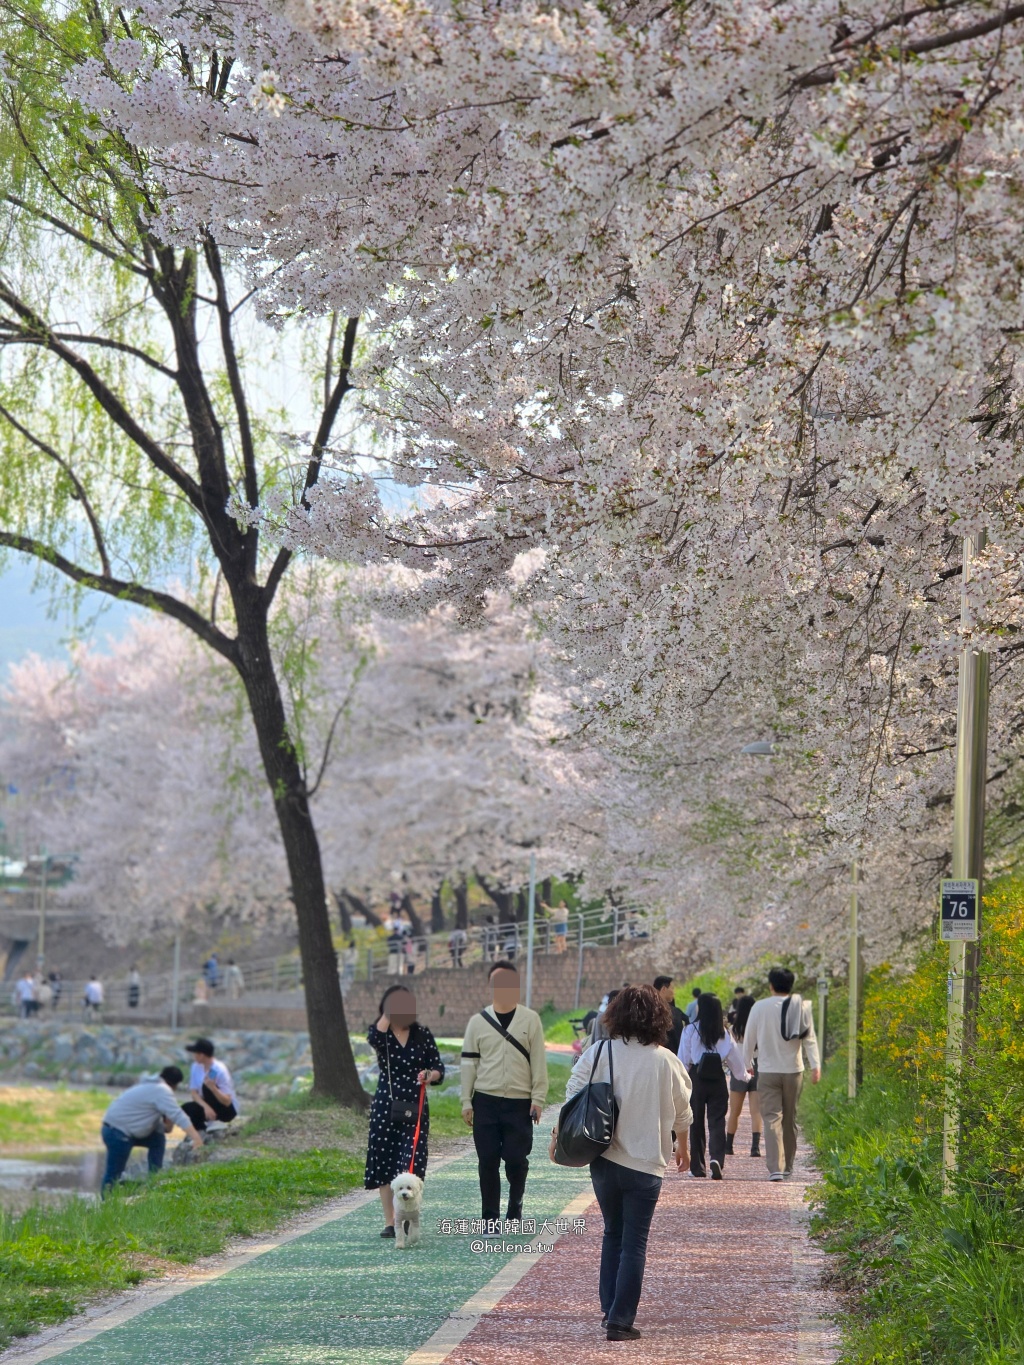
(334, 1068)
(461, 904)
(343, 914)
(437, 912)
(414, 919)
(503, 900)
(545, 890)
(522, 909)
(357, 904)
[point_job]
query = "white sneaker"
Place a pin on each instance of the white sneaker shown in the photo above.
(776, 1175)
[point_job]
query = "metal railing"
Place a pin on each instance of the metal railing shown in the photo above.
(395, 956)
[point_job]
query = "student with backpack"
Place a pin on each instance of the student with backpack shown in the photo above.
(780, 1032)
(740, 1090)
(705, 1049)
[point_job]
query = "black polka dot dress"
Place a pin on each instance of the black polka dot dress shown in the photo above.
(390, 1144)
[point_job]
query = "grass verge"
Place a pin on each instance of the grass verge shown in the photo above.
(37, 1118)
(55, 1258)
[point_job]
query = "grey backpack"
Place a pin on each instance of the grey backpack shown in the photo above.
(793, 1015)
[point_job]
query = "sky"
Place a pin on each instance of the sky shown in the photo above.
(27, 624)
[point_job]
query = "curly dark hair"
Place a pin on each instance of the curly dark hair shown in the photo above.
(638, 1012)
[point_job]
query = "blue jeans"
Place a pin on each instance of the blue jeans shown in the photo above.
(119, 1148)
(627, 1199)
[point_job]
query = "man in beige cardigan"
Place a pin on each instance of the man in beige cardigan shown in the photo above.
(504, 1087)
(780, 1066)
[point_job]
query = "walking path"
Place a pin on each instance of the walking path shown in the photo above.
(730, 1274)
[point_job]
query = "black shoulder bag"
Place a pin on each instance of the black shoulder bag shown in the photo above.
(402, 1111)
(505, 1034)
(587, 1121)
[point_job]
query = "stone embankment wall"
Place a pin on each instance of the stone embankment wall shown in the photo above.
(263, 1063)
(446, 998)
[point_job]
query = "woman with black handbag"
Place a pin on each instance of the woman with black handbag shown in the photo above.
(705, 1049)
(632, 1096)
(406, 1056)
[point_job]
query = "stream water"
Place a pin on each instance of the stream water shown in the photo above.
(62, 1172)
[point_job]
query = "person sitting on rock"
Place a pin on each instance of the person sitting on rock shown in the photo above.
(213, 1090)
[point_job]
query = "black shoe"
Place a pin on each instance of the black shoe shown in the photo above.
(729, 1139)
(623, 1334)
(604, 1319)
(716, 1170)
(755, 1144)
(388, 1232)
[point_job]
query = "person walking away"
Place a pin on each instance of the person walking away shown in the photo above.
(560, 925)
(780, 1034)
(213, 1091)
(653, 1094)
(25, 996)
(134, 988)
(705, 1048)
(691, 1009)
(57, 985)
(457, 946)
(406, 1056)
(142, 1116)
(44, 993)
(234, 980)
(349, 961)
(93, 997)
(395, 948)
(504, 1088)
(741, 1008)
(738, 992)
(211, 971)
(665, 988)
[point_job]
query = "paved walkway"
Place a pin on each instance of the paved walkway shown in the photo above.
(730, 1275)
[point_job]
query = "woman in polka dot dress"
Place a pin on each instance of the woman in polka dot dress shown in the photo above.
(406, 1052)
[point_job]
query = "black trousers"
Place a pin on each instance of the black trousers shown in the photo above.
(502, 1131)
(709, 1101)
(196, 1112)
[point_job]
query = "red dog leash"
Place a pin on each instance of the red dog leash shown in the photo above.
(419, 1120)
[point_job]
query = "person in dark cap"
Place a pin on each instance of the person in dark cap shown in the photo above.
(213, 1090)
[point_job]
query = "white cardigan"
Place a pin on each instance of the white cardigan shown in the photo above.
(653, 1093)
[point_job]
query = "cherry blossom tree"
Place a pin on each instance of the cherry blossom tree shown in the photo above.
(717, 306)
(133, 405)
(439, 752)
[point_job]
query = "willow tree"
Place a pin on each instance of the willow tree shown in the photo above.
(132, 419)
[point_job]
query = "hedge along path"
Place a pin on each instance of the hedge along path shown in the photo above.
(731, 1274)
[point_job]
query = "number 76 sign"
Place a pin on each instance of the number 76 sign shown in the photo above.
(959, 920)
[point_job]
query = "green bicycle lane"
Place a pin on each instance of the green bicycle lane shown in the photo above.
(340, 1294)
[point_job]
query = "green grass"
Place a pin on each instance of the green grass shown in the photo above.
(37, 1118)
(939, 1281)
(54, 1258)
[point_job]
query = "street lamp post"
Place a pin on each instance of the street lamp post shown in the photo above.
(853, 1022)
(968, 850)
(530, 921)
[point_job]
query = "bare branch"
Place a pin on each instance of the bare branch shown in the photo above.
(126, 591)
(80, 493)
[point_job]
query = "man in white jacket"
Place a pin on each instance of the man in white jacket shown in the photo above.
(781, 1056)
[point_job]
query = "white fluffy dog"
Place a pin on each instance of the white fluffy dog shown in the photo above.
(408, 1191)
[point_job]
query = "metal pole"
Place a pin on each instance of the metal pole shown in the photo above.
(579, 966)
(822, 1015)
(41, 951)
(853, 1024)
(175, 977)
(968, 851)
(530, 915)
